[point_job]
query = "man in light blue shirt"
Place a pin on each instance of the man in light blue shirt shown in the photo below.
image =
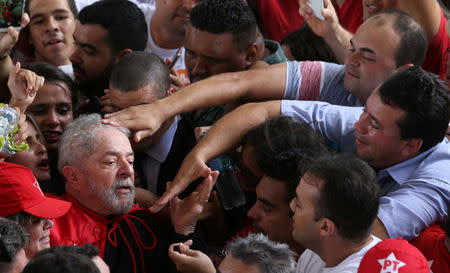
(400, 133)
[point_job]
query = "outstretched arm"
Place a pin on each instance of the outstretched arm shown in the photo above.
(251, 85)
(224, 135)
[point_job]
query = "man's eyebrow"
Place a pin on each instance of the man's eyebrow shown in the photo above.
(84, 44)
(117, 154)
(364, 49)
(266, 202)
(37, 15)
(368, 50)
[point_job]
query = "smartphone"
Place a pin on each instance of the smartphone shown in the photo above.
(317, 7)
(175, 58)
(11, 14)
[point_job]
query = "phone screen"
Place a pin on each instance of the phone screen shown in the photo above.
(11, 13)
(317, 6)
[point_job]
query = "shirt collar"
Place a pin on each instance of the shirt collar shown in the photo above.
(403, 171)
(160, 150)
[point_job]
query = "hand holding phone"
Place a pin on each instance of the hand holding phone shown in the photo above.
(175, 58)
(11, 14)
(317, 7)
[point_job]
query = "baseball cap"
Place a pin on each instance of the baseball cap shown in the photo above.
(20, 191)
(393, 256)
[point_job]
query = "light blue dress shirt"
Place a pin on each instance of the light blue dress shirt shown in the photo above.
(416, 192)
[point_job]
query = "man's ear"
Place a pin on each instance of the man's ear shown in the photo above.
(170, 91)
(72, 176)
(327, 227)
(122, 53)
(411, 147)
(251, 54)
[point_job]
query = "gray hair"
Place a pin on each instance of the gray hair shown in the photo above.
(267, 255)
(80, 139)
(13, 238)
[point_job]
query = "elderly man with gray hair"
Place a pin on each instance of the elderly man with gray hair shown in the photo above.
(97, 163)
(252, 254)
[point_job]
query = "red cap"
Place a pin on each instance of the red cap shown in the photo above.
(20, 191)
(394, 256)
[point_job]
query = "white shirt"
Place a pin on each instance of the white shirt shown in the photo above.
(310, 262)
(163, 53)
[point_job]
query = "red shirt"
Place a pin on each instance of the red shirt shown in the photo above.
(431, 243)
(279, 18)
(435, 59)
(350, 14)
(133, 242)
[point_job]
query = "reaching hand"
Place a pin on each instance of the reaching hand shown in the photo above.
(185, 213)
(191, 169)
(143, 118)
(108, 106)
(23, 85)
(190, 261)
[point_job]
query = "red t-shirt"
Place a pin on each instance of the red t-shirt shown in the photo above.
(350, 15)
(435, 58)
(431, 243)
(279, 17)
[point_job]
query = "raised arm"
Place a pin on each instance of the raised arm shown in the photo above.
(251, 85)
(224, 135)
(427, 12)
(336, 37)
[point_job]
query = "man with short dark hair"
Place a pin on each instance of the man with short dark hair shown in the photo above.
(278, 147)
(335, 206)
(104, 32)
(143, 78)
(223, 36)
(51, 27)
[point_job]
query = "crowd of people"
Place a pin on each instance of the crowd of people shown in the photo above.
(225, 136)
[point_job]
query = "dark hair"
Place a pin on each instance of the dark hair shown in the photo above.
(349, 196)
(53, 74)
(281, 145)
(413, 39)
(87, 250)
(305, 45)
(61, 262)
(13, 238)
(71, 3)
(123, 20)
(424, 98)
(138, 69)
(231, 16)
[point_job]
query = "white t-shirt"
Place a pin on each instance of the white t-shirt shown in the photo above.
(163, 53)
(83, 3)
(310, 262)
